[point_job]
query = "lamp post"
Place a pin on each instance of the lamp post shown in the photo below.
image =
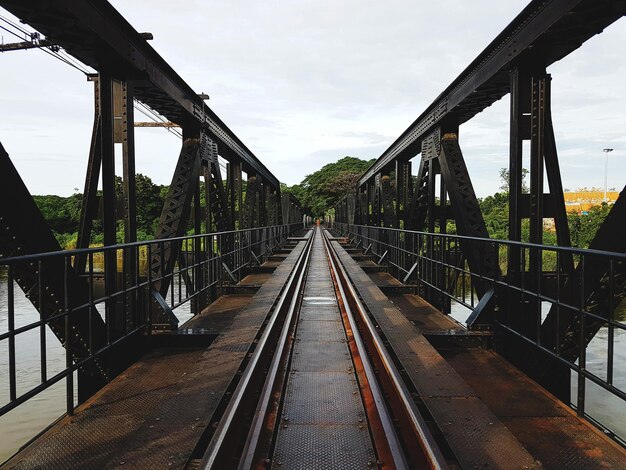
(606, 171)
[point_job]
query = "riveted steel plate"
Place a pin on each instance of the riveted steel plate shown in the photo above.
(332, 446)
(313, 356)
(323, 398)
(323, 422)
(324, 330)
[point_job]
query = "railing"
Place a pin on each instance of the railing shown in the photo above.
(101, 315)
(553, 299)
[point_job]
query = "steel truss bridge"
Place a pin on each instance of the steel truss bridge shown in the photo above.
(317, 346)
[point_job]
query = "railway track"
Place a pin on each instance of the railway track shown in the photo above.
(320, 390)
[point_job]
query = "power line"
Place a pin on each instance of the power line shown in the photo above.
(59, 54)
(29, 36)
(150, 114)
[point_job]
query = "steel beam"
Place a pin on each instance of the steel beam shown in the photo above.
(467, 214)
(43, 283)
(89, 205)
(554, 28)
(95, 33)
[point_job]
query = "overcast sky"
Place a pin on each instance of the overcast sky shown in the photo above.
(305, 82)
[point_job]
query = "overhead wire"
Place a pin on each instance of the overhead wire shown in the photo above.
(68, 59)
(154, 117)
(28, 36)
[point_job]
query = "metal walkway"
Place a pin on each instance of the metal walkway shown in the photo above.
(320, 368)
(323, 423)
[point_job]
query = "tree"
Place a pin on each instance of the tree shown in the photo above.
(505, 177)
(150, 198)
(319, 191)
(495, 210)
(585, 226)
(61, 213)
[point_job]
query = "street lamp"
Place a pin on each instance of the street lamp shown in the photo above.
(606, 171)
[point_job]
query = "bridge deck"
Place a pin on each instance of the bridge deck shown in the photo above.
(323, 416)
(490, 393)
(155, 413)
(477, 438)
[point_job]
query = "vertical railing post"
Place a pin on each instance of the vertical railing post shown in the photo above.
(611, 327)
(42, 328)
(69, 363)
(11, 331)
(582, 345)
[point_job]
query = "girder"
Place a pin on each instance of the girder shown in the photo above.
(546, 29)
(44, 283)
(95, 33)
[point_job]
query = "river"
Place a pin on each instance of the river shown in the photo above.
(21, 424)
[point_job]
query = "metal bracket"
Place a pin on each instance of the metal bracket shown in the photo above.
(171, 321)
(382, 258)
(483, 309)
(230, 273)
(410, 273)
(256, 259)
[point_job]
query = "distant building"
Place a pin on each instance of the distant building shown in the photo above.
(582, 201)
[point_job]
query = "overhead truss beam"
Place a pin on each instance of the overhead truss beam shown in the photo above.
(547, 29)
(95, 33)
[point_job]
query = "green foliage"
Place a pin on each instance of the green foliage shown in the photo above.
(495, 211)
(319, 191)
(583, 227)
(150, 198)
(63, 213)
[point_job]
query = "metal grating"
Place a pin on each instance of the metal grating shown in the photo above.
(323, 423)
(152, 415)
(470, 428)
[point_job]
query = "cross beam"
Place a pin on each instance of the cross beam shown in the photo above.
(546, 29)
(95, 33)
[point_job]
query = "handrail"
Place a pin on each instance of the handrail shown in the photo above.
(552, 311)
(90, 324)
(564, 249)
(121, 246)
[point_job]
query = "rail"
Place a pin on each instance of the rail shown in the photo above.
(96, 317)
(270, 351)
(246, 434)
(415, 446)
(531, 294)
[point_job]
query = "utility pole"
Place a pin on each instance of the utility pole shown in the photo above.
(606, 172)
